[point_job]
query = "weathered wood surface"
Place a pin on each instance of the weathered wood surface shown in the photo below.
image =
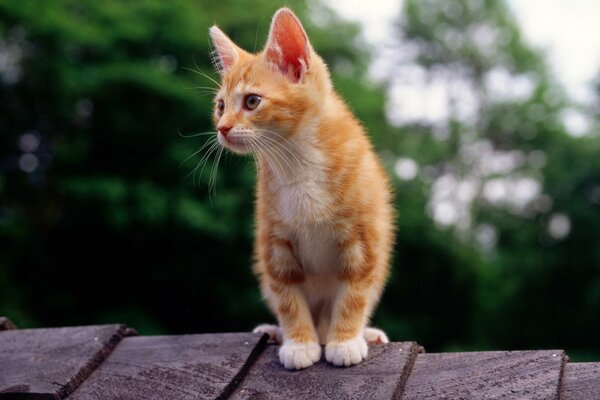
(6, 324)
(51, 363)
(104, 362)
(381, 376)
(581, 381)
(173, 367)
(530, 375)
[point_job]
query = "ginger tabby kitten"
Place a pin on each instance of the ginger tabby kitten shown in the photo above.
(324, 220)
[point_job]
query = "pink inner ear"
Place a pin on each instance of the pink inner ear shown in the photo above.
(227, 59)
(288, 45)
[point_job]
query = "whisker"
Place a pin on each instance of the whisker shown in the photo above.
(195, 134)
(214, 147)
(209, 141)
(292, 169)
(212, 89)
(276, 156)
(193, 154)
(202, 74)
(283, 146)
(203, 161)
(276, 148)
(206, 94)
(278, 152)
(213, 180)
(258, 149)
(282, 143)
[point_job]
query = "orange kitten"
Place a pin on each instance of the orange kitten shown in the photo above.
(324, 221)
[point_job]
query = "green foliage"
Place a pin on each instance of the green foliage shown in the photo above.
(114, 222)
(103, 218)
(537, 285)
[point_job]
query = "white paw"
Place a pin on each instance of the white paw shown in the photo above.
(346, 353)
(375, 336)
(273, 331)
(294, 355)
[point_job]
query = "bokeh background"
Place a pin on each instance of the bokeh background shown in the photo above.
(497, 188)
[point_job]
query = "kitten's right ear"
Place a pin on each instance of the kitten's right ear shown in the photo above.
(288, 47)
(226, 53)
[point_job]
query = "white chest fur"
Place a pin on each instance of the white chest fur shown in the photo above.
(316, 248)
(304, 205)
(300, 185)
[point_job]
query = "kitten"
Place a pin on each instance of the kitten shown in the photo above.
(324, 220)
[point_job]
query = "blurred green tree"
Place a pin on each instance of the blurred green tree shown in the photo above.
(97, 218)
(497, 203)
(503, 174)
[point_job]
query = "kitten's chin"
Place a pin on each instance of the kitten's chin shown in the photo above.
(235, 144)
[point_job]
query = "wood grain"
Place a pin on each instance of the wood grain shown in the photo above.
(51, 363)
(381, 376)
(105, 362)
(581, 381)
(530, 375)
(173, 367)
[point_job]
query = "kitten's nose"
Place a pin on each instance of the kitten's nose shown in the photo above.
(225, 130)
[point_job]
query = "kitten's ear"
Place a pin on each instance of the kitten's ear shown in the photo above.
(226, 53)
(288, 47)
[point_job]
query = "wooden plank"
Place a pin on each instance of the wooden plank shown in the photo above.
(581, 381)
(381, 376)
(51, 363)
(491, 375)
(174, 367)
(6, 324)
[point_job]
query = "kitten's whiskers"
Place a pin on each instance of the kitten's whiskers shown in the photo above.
(282, 143)
(213, 175)
(195, 134)
(273, 149)
(197, 71)
(213, 146)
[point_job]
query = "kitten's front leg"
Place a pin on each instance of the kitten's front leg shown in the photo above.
(300, 348)
(346, 344)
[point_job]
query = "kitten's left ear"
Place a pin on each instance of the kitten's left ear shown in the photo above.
(288, 47)
(226, 52)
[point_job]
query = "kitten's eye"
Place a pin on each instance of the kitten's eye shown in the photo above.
(220, 107)
(252, 101)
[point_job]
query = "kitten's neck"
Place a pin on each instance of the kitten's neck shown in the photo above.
(300, 158)
(284, 164)
(292, 161)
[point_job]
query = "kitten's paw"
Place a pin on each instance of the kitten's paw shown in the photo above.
(375, 336)
(274, 332)
(294, 355)
(346, 353)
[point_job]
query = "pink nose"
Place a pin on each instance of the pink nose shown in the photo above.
(224, 130)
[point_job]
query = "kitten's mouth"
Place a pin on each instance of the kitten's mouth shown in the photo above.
(235, 142)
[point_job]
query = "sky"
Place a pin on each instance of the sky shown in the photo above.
(568, 31)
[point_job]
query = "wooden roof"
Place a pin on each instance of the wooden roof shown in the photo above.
(112, 362)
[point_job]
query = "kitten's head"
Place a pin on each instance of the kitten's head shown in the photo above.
(266, 97)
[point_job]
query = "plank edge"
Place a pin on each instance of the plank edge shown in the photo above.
(416, 349)
(95, 361)
(236, 381)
